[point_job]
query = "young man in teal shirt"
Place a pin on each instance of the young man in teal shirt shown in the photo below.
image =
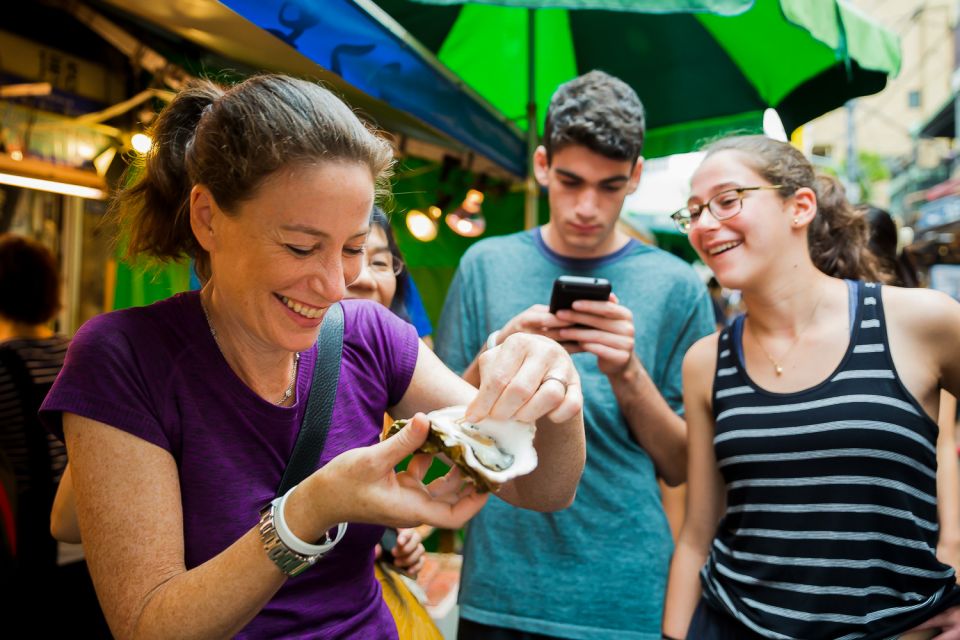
(597, 569)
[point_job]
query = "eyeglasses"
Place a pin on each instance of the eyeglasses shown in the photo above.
(382, 264)
(722, 206)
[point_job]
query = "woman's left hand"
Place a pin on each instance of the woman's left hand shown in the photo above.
(525, 378)
(408, 552)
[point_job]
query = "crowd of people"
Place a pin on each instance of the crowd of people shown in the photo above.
(822, 494)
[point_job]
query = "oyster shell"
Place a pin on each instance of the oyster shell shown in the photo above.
(488, 453)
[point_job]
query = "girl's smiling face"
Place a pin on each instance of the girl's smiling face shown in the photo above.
(745, 245)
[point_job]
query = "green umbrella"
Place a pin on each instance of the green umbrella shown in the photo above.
(700, 66)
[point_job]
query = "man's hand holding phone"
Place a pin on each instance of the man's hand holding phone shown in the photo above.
(594, 321)
(604, 329)
(535, 319)
(542, 320)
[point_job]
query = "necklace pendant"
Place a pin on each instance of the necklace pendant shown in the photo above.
(778, 369)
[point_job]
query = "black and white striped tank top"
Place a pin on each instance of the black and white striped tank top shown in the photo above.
(831, 525)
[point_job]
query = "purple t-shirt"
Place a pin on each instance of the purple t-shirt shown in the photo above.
(156, 372)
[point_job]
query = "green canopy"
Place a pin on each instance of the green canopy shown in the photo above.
(700, 66)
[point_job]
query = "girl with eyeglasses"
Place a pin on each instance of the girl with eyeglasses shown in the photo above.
(812, 503)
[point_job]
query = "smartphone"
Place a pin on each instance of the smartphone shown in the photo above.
(566, 289)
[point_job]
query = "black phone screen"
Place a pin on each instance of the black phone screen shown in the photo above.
(566, 289)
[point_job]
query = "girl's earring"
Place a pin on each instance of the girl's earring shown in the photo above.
(796, 221)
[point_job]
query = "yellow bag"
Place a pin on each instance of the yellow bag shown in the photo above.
(412, 620)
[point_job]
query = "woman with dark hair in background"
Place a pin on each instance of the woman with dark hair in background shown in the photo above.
(180, 417)
(406, 302)
(31, 355)
(884, 241)
(812, 509)
(384, 276)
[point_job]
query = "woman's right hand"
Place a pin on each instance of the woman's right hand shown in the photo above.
(361, 485)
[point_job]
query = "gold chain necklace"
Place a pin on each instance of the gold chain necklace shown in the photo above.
(777, 367)
(293, 369)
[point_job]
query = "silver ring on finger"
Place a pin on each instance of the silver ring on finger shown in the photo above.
(556, 379)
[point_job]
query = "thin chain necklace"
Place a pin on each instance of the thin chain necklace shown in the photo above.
(293, 369)
(777, 367)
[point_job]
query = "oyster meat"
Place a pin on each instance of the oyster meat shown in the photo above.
(489, 452)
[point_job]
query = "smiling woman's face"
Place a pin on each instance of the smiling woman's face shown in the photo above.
(744, 247)
(289, 252)
(376, 280)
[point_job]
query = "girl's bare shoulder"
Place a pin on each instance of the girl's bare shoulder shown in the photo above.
(926, 313)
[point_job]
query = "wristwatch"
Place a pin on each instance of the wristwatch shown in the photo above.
(288, 560)
(284, 548)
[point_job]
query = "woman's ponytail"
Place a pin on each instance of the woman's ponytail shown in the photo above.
(154, 209)
(839, 236)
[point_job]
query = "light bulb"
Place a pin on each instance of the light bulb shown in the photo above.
(141, 143)
(421, 226)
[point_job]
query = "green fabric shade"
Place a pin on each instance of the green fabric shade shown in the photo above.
(700, 67)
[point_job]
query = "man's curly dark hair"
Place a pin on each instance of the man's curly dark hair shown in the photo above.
(599, 112)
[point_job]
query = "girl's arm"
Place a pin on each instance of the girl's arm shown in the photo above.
(705, 490)
(948, 485)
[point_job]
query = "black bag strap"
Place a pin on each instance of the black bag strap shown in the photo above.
(323, 392)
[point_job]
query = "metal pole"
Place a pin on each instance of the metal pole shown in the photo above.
(71, 246)
(853, 169)
(530, 219)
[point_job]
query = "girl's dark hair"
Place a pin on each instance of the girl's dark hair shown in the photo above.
(231, 140)
(29, 281)
(838, 234)
(399, 303)
(896, 269)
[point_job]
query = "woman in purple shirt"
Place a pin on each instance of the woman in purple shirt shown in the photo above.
(180, 417)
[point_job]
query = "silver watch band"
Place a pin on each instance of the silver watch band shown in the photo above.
(289, 561)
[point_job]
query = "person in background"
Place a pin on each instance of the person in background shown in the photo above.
(897, 269)
(31, 355)
(812, 509)
(180, 417)
(601, 565)
(883, 242)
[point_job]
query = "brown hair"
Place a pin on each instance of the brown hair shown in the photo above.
(838, 234)
(29, 281)
(231, 140)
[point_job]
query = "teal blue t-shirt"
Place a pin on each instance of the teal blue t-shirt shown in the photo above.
(599, 568)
